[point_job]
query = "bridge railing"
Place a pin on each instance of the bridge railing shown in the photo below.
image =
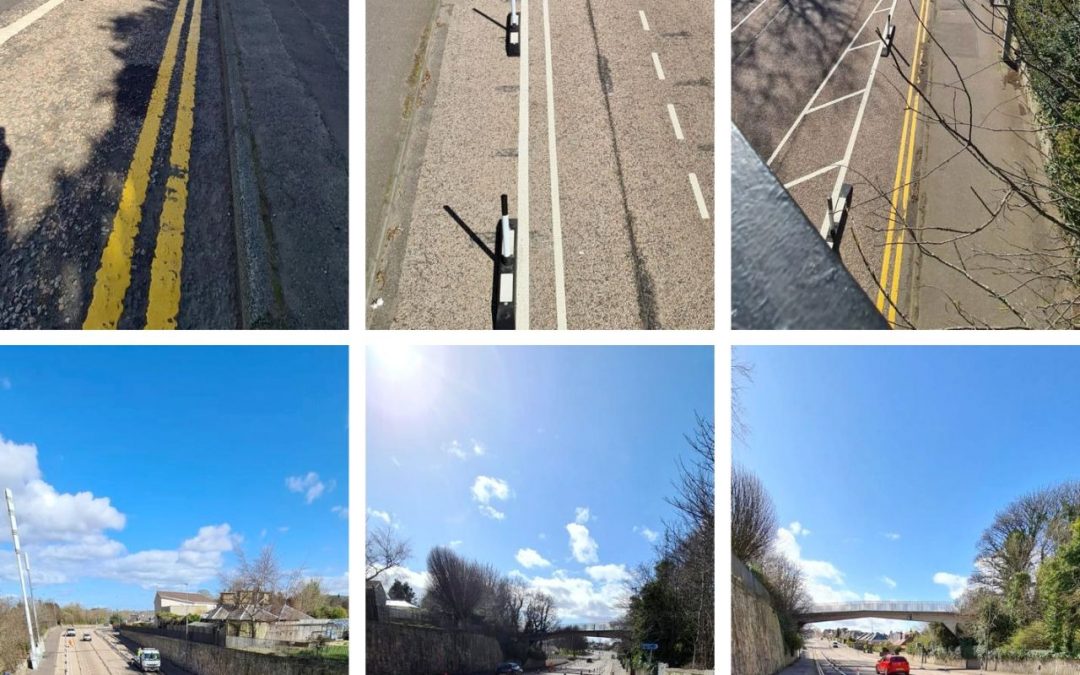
(883, 606)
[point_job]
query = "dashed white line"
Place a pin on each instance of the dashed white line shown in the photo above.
(13, 29)
(659, 68)
(675, 121)
(521, 292)
(748, 15)
(699, 197)
(644, 21)
(553, 163)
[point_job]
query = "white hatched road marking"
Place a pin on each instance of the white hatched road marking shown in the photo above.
(748, 15)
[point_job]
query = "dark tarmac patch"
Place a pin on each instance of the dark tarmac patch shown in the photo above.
(133, 87)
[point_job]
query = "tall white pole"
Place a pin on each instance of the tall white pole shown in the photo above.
(33, 601)
(18, 559)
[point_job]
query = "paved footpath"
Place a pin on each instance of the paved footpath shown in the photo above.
(974, 268)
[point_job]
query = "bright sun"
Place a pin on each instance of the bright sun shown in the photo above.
(397, 362)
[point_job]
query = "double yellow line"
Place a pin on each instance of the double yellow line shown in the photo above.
(114, 274)
(894, 236)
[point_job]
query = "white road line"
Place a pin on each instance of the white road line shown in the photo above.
(521, 292)
(675, 121)
(854, 134)
(751, 43)
(864, 45)
(879, 11)
(803, 179)
(748, 15)
(644, 21)
(656, 62)
(699, 197)
(835, 100)
(13, 29)
(553, 163)
(817, 92)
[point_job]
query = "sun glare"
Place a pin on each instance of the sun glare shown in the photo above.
(397, 362)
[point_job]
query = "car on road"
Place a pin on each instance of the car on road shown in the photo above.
(508, 667)
(887, 665)
(70, 632)
(835, 644)
(147, 660)
(86, 637)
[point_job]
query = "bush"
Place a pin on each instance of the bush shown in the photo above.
(1031, 636)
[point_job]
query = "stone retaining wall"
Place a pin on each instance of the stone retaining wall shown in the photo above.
(394, 648)
(213, 660)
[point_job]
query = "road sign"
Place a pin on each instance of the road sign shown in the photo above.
(649, 646)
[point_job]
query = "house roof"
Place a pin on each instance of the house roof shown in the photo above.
(269, 614)
(197, 598)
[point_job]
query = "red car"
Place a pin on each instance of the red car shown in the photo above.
(892, 664)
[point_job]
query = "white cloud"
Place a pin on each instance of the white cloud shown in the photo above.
(455, 543)
(871, 597)
(889, 582)
(485, 489)
(198, 560)
(309, 485)
(581, 515)
(419, 581)
(608, 574)
(582, 546)
(456, 450)
(893, 536)
(647, 533)
(527, 557)
(335, 585)
(797, 528)
(583, 600)
(342, 511)
(477, 448)
(824, 581)
(381, 515)
(954, 582)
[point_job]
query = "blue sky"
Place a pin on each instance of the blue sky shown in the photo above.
(499, 452)
(896, 459)
(139, 468)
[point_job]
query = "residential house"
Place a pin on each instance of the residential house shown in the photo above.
(182, 604)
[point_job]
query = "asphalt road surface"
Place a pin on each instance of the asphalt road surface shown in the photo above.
(104, 654)
(818, 100)
(116, 195)
(601, 135)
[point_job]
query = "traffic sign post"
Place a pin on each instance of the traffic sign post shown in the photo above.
(505, 269)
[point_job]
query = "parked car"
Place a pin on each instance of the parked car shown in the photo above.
(508, 667)
(147, 660)
(888, 665)
(86, 637)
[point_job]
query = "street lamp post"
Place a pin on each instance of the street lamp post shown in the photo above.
(22, 577)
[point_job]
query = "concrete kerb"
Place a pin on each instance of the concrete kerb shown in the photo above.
(383, 257)
(260, 303)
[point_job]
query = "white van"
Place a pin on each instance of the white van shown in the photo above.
(147, 660)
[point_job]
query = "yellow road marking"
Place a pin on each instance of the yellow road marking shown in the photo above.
(164, 302)
(114, 275)
(900, 196)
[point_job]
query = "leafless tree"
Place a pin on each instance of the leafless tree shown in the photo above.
(263, 577)
(458, 586)
(540, 613)
(787, 584)
(741, 374)
(753, 516)
(384, 550)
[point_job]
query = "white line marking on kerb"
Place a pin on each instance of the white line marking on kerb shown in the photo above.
(748, 15)
(556, 218)
(11, 30)
(656, 62)
(675, 121)
(521, 292)
(699, 197)
(644, 21)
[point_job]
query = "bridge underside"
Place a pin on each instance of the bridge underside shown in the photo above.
(586, 633)
(948, 619)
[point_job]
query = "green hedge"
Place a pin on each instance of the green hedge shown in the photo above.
(1048, 36)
